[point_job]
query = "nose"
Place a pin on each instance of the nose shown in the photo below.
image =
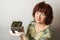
(39, 15)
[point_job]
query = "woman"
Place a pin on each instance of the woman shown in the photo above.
(40, 28)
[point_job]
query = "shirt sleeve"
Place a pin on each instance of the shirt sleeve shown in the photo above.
(30, 31)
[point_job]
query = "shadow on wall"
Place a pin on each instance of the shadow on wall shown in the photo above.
(56, 25)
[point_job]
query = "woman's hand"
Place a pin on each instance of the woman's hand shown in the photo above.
(17, 33)
(23, 37)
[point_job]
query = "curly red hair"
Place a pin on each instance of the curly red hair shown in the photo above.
(45, 8)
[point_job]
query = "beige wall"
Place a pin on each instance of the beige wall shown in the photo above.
(11, 10)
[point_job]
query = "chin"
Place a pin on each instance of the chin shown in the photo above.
(38, 21)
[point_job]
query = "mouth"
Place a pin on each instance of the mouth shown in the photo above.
(39, 19)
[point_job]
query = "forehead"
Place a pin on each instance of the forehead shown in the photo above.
(39, 12)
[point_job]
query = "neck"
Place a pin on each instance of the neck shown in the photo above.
(41, 24)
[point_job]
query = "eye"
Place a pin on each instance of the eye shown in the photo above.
(36, 12)
(43, 14)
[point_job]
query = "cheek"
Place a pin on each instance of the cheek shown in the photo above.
(43, 18)
(36, 16)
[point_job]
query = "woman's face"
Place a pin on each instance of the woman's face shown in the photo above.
(39, 17)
